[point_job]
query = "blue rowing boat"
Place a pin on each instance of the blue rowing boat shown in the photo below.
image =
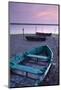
(34, 63)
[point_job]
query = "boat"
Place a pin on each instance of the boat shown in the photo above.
(35, 38)
(43, 34)
(34, 64)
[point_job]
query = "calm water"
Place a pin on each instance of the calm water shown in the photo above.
(31, 29)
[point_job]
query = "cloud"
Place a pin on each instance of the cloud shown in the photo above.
(46, 15)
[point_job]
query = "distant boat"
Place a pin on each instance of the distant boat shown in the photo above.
(38, 55)
(43, 34)
(35, 38)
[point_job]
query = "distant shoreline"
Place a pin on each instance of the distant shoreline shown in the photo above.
(28, 34)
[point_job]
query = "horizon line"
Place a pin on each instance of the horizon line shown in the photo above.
(33, 24)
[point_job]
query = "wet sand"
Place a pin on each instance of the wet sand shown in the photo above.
(19, 44)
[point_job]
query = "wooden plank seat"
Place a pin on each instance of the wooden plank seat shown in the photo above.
(43, 58)
(28, 69)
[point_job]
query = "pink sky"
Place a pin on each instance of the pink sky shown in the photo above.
(33, 13)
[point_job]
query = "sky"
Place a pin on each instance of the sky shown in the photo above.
(33, 13)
